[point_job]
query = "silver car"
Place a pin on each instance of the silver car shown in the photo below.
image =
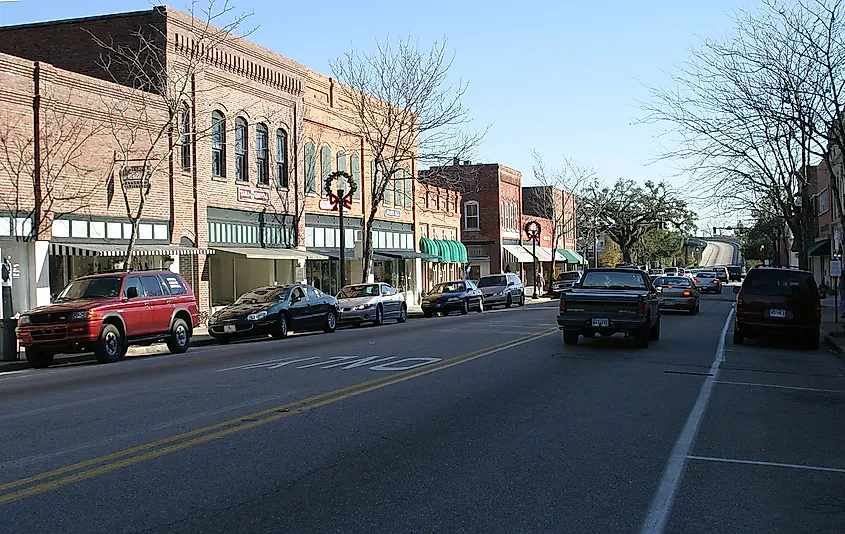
(501, 290)
(677, 293)
(376, 303)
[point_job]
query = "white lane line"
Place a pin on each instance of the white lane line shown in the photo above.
(661, 506)
(796, 388)
(769, 464)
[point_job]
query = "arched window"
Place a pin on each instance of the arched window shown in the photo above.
(399, 187)
(408, 190)
(218, 144)
(471, 215)
(281, 158)
(185, 136)
(310, 168)
(325, 166)
(341, 161)
(241, 169)
(355, 163)
(262, 166)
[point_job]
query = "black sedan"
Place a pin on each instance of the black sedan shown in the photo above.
(275, 311)
(461, 295)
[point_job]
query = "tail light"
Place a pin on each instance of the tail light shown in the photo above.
(695, 280)
(687, 293)
(716, 281)
(641, 307)
(739, 301)
(562, 306)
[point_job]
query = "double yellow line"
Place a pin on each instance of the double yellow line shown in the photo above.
(70, 474)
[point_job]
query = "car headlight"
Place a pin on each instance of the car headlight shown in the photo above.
(453, 299)
(256, 316)
(79, 315)
(212, 319)
(23, 319)
(364, 306)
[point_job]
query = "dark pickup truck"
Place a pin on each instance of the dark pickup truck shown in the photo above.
(606, 301)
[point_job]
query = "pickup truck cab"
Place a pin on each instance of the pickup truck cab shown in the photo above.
(607, 301)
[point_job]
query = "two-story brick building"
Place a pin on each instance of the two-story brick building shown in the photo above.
(821, 196)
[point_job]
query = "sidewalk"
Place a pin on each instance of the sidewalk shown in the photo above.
(832, 333)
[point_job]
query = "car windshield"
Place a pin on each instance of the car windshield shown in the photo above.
(568, 276)
(779, 283)
(613, 280)
(86, 288)
(257, 296)
(449, 287)
(363, 290)
(491, 281)
(678, 281)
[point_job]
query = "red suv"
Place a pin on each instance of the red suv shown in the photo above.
(107, 312)
(778, 301)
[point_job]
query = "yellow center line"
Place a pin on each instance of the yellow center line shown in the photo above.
(231, 426)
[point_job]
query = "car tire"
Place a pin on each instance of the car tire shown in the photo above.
(642, 338)
(331, 322)
(110, 346)
(739, 339)
(379, 319)
(480, 308)
(522, 300)
(281, 331)
(697, 307)
(813, 341)
(180, 337)
(403, 314)
(654, 331)
(509, 302)
(38, 358)
(223, 340)
(570, 337)
(427, 314)
(464, 307)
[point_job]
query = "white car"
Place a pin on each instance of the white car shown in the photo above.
(374, 303)
(707, 281)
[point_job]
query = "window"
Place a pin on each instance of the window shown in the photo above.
(152, 285)
(262, 167)
(310, 168)
(355, 163)
(325, 164)
(388, 191)
(408, 189)
(398, 188)
(297, 294)
(313, 294)
(341, 161)
(218, 144)
(471, 219)
(174, 284)
(135, 282)
(185, 135)
(823, 200)
(241, 172)
(281, 158)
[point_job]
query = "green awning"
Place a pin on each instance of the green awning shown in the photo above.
(430, 246)
(459, 252)
(445, 250)
(568, 256)
(822, 248)
(579, 257)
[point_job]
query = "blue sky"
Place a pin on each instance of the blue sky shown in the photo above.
(563, 78)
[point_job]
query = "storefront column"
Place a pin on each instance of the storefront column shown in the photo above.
(41, 263)
(174, 266)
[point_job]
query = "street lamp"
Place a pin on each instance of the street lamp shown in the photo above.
(341, 198)
(532, 230)
(341, 193)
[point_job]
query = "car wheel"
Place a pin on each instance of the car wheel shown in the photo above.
(697, 306)
(331, 322)
(509, 302)
(719, 292)
(522, 300)
(403, 314)
(480, 306)
(654, 331)
(464, 308)
(379, 319)
(38, 358)
(739, 339)
(180, 337)
(570, 337)
(813, 341)
(110, 346)
(281, 327)
(427, 314)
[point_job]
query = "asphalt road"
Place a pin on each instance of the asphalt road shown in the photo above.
(483, 423)
(718, 253)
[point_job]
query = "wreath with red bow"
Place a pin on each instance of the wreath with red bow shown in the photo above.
(351, 188)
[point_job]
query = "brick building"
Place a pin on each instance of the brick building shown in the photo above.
(438, 221)
(821, 200)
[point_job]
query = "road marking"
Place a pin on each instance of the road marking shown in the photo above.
(796, 388)
(768, 464)
(111, 462)
(661, 506)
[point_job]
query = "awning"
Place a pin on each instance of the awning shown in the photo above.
(428, 246)
(86, 249)
(405, 254)
(580, 258)
(460, 252)
(543, 254)
(273, 253)
(820, 248)
(443, 250)
(517, 254)
(569, 256)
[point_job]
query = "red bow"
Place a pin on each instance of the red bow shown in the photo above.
(334, 200)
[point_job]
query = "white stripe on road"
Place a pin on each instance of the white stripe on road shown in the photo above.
(796, 388)
(769, 464)
(661, 506)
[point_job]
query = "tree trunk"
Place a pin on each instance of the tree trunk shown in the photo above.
(368, 247)
(130, 248)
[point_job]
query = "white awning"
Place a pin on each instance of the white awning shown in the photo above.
(517, 254)
(273, 253)
(92, 249)
(543, 253)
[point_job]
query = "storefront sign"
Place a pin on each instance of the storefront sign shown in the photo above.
(392, 212)
(299, 274)
(325, 204)
(835, 268)
(135, 177)
(252, 196)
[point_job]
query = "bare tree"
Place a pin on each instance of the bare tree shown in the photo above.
(49, 170)
(153, 123)
(408, 113)
(554, 199)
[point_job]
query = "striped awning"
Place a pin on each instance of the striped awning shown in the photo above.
(258, 253)
(91, 249)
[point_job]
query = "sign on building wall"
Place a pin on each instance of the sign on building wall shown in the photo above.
(392, 212)
(253, 196)
(134, 177)
(326, 205)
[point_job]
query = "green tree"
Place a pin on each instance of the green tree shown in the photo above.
(660, 245)
(611, 255)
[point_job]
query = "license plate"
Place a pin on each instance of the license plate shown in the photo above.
(228, 329)
(668, 301)
(777, 313)
(601, 322)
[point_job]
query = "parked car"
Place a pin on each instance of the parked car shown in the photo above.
(275, 311)
(502, 290)
(606, 301)
(459, 295)
(778, 301)
(677, 293)
(708, 282)
(374, 303)
(565, 281)
(735, 272)
(106, 313)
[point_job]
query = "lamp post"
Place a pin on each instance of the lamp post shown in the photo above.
(532, 230)
(341, 193)
(341, 198)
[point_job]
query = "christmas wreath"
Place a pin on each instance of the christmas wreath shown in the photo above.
(350, 190)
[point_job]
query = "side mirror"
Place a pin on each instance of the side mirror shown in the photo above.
(736, 289)
(53, 297)
(658, 289)
(132, 292)
(511, 283)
